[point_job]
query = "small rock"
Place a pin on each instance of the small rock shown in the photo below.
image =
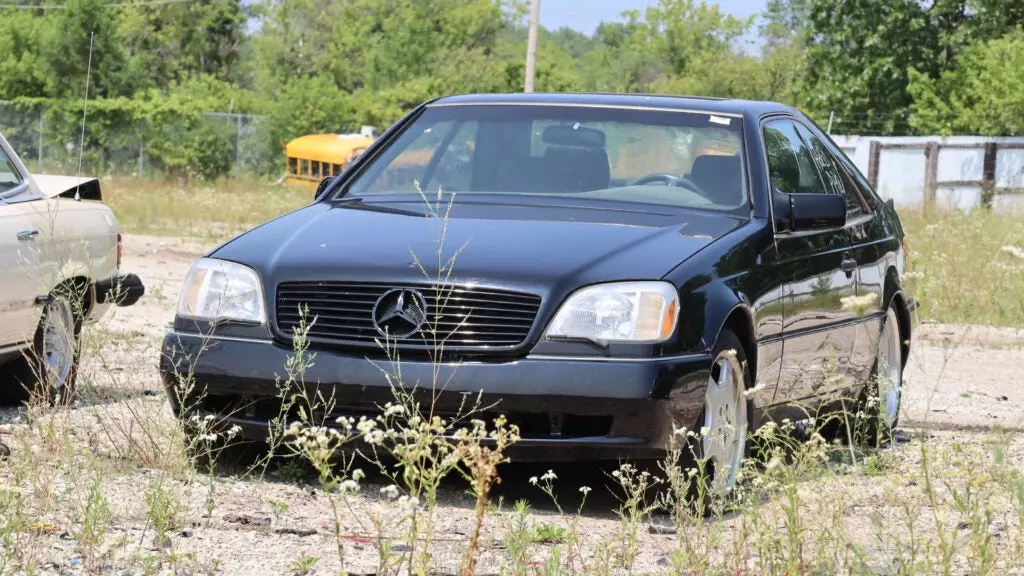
(963, 525)
(296, 531)
(1002, 398)
(186, 533)
(5, 452)
(161, 542)
(661, 529)
(246, 520)
(401, 548)
(663, 561)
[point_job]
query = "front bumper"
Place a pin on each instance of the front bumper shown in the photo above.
(566, 408)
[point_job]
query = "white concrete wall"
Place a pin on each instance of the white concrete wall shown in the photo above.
(901, 171)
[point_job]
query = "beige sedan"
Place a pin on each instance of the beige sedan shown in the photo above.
(60, 252)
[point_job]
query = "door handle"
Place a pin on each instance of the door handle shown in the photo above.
(849, 265)
(25, 235)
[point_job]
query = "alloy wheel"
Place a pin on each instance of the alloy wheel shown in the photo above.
(58, 344)
(725, 422)
(889, 372)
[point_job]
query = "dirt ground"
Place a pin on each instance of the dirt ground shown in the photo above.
(959, 384)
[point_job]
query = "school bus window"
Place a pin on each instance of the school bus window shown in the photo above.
(325, 170)
(304, 168)
(315, 173)
(293, 166)
(337, 169)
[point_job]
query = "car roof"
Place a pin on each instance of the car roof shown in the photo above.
(749, 108)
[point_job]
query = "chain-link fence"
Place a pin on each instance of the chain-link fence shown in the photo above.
(214, 144)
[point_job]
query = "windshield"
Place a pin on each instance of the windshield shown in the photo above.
(664, 157)
(9, 176)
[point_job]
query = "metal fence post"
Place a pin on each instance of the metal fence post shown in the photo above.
(988, 175)
(931, 173)
(874, 153)
(42, 113)
(238, 146)
(142, 150)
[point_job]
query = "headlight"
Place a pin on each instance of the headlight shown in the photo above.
(220, 290)
(638, 312)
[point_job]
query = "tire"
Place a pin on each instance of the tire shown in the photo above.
(885, 384)
(49, 369)
(727, 417)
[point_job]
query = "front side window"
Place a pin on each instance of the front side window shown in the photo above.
(293, 166)
(672, 158)
(835, 183)
(10, 178)
(790, 164)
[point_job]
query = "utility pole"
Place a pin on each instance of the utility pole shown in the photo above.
(531, 46)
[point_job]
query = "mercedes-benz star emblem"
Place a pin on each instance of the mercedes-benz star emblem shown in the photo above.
(400, 313)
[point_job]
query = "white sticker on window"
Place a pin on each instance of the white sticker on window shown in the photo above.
(719, 120)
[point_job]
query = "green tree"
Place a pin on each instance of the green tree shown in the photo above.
(983, 95)
(23, 67)
(858, 56)
(67, 51)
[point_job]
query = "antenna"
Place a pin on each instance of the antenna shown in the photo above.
(85, 110)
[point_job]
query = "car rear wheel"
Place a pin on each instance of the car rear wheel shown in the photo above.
(725, 421)
(48, 370)
(884, 392)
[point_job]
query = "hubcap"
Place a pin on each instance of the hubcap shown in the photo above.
(58, 342)
(890, 371)
(725, 422)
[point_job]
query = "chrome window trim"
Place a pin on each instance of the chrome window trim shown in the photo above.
(586, 105)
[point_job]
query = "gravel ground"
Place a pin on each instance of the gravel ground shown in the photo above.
(958, 385)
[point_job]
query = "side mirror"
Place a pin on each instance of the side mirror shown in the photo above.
(815, 211)
(322, 186)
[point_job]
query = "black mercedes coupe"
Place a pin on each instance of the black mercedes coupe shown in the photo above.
(602, 268)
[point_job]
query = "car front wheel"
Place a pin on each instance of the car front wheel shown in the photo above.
(725, 422)
(48, 370)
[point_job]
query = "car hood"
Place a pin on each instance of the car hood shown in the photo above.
(542, 247)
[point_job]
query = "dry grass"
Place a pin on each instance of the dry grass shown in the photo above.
(114, 485)
(208, 211)
(968, 267)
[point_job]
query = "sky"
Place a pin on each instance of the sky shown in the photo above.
(585, 15)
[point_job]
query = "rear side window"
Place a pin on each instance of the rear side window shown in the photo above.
(10, 178)
(835, 183)
(790, 164)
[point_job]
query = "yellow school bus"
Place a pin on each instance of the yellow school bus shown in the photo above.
(316, 156)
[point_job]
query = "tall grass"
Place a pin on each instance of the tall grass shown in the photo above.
(210, 211)
(967, 267)
(115, 482)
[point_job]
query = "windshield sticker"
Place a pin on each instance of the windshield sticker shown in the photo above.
(719, 120)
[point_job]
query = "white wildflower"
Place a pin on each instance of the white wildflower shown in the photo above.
(390, 492)
(585, 490)
(1014, 251)
(549, 476)
(533, 480)
(358, 474)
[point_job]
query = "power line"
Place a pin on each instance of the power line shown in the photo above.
(112, 5)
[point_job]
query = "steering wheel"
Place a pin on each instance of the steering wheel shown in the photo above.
(670, 180)
(662, 177)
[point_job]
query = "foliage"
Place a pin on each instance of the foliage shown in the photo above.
(879, 66)
(983, 95)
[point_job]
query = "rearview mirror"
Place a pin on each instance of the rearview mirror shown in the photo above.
(322, 186)
(812, 211)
